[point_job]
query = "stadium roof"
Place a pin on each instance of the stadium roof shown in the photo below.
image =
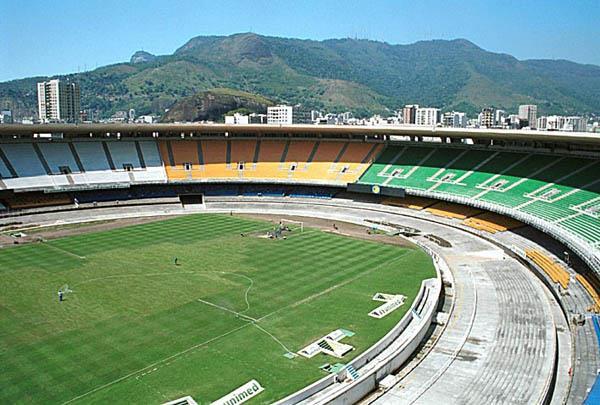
(8, 130)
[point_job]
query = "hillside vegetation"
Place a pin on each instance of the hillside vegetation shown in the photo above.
(340, 74)
(211, 105)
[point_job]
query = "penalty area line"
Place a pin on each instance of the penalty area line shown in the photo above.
(159, 362)
(238, 314)
(273, 337)
(63, 250)
(252, 321)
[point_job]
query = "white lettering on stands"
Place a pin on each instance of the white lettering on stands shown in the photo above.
(242, 394)
(391, 303)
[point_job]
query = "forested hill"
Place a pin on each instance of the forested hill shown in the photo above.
(340, 74)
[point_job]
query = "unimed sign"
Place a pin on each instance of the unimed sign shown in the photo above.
(242, 394)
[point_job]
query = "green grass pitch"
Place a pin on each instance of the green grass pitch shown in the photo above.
(134, 330)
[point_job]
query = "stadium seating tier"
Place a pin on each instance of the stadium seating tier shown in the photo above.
(559, 190)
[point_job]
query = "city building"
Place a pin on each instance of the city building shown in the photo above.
(409, 113)
(560, 123)
(345, 118)
(58, 101)
(258, 118)
(300, 115)
(427, 116)
(528, 112)
(575, 124)
(119, 116)
(146, 119)
(454, 119)
(513, 122)
(280, 115)
(315, 115)
(499, 118)
(486, 118)
(237, 118)
(473, 123)
(6, 117)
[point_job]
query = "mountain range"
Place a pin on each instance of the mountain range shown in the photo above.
(336, 75)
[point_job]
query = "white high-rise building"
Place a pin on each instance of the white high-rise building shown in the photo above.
(528, 112)
(427, 116)
(499, 118)
(280, 115)
(237, 119)
(575, 124)
(486, 118)
(58, 101)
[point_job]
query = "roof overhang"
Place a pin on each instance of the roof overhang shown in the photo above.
(198, 129)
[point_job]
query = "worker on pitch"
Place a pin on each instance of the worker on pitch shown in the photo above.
(176, 261)
(60, 296)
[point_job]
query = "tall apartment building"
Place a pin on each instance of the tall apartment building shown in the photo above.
(486, 118)
(528, 112)
(454, 119)
(280, 115)
(427, 116)
(499, 118)
(575, 124)
(58, 101)
(409, 113)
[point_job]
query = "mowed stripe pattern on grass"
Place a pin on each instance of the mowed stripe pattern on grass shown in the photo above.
(132, 308)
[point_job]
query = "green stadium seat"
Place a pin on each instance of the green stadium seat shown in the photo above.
(562, 191)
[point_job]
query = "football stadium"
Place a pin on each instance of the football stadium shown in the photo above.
(211, 263)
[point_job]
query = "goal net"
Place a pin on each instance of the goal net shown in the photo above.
(293, 225)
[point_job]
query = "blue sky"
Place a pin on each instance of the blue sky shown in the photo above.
(64, 36)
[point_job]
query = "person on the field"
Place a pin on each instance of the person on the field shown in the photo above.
(60, 296)
(176, 261)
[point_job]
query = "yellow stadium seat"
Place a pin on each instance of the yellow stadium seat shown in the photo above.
(591, 291)
(448, 210)
(556, 272)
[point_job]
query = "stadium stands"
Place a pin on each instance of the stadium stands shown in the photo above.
(63, 165)
(591, 291)
(59, 158)
(414, 203)
(561, 191)
(295, 160)
(556, 272)
(24, 159)
(449, 210)
(269, 156)
(492, 223)
(34, 200)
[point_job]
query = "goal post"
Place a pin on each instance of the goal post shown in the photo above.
(289, 222)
